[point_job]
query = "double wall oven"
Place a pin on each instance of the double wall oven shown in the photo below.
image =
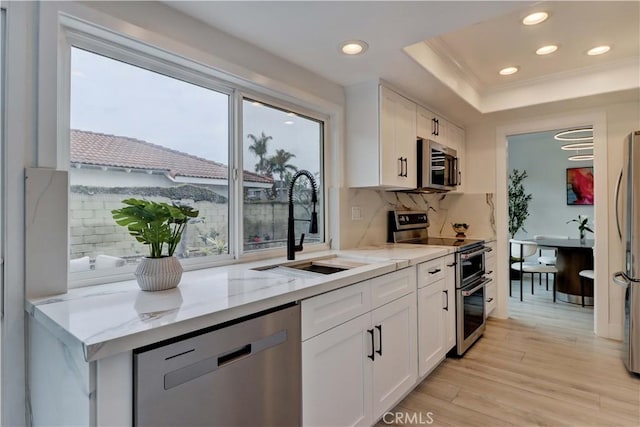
(411, 227)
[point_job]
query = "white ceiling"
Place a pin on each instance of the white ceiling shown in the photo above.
(457, 47)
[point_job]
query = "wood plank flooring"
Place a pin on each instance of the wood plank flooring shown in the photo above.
(541, 367)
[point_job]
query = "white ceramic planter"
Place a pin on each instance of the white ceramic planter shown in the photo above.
(158, 274)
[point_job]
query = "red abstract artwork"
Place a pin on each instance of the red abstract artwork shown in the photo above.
(580, 186)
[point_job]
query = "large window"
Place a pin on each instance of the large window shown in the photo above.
(277, 144)
(138, 133)
(159, 131)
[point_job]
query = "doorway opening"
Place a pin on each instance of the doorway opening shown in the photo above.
(555, 200)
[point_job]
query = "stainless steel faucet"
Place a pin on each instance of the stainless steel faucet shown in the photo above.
(292, 248)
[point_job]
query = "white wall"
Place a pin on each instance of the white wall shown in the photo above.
(546, 164)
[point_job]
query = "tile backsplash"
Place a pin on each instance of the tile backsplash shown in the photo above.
(443, 209)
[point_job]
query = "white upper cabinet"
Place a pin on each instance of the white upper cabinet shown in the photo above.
(431, 126)
(381, 138)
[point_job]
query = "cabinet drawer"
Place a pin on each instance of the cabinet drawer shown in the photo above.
(431, 271)
(333, 308)
(392, 286)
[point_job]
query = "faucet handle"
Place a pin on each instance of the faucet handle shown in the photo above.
(298, 248)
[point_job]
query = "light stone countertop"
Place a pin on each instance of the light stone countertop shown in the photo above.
(117, 317)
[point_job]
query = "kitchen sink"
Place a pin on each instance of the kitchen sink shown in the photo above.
(326, 265)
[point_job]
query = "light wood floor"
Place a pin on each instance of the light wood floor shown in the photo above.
(541, 367)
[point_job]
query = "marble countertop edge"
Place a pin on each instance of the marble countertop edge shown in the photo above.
(118, 317)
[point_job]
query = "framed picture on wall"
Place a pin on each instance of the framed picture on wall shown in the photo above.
(580, 186)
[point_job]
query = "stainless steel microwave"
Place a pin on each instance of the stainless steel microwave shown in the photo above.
(437, 166)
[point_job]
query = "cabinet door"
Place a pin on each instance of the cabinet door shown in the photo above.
(407, 142)
(336, 376)
(395, 367)
(430, 327)
(450, 302)
(397, 131)
(429, 126)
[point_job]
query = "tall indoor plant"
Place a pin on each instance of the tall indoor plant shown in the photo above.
(156, 224)
(518, 202)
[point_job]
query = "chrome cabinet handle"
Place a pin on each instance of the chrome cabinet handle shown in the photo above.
(446, 293)
(400, 168)
(437, 270)
(379, 350)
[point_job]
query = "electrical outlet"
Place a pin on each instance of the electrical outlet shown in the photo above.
(356, 213)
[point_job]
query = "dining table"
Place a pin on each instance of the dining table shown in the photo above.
(572, 256)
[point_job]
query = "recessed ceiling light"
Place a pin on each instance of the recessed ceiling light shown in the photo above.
(535, 18)
(288, 122)
(574, 135)
(598, 50)
(290, 114)
(256, 103)
(353, 47)
(581, 157)
(545, 50)
(509, 70)
(578, 146)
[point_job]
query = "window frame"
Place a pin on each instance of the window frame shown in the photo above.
(322, 191)
(86, 36)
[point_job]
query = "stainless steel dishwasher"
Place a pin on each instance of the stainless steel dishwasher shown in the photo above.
(245, 373)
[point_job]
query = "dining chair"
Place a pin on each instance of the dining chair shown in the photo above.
(548, 256)
(521, 249)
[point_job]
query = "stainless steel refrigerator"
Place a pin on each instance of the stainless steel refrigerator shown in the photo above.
(628, 221)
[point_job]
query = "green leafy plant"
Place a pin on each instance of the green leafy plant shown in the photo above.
(518, 202)
(583, 225)
(154, 223)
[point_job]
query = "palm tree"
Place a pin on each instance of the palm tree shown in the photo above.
(279, 163)
(259, 148)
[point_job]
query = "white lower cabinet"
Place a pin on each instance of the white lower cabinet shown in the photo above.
(430, 327)
(450, 301)
(436, 312)
(394, 363)
(352, 373)
(336, 376)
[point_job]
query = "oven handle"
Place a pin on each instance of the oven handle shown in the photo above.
(466, 293)
(475, 253)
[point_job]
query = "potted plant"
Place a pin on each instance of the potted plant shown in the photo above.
(156, 224)
(518, 209)
(583, 226)
(518, 202)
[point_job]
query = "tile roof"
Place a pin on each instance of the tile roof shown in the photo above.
(99, 149)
